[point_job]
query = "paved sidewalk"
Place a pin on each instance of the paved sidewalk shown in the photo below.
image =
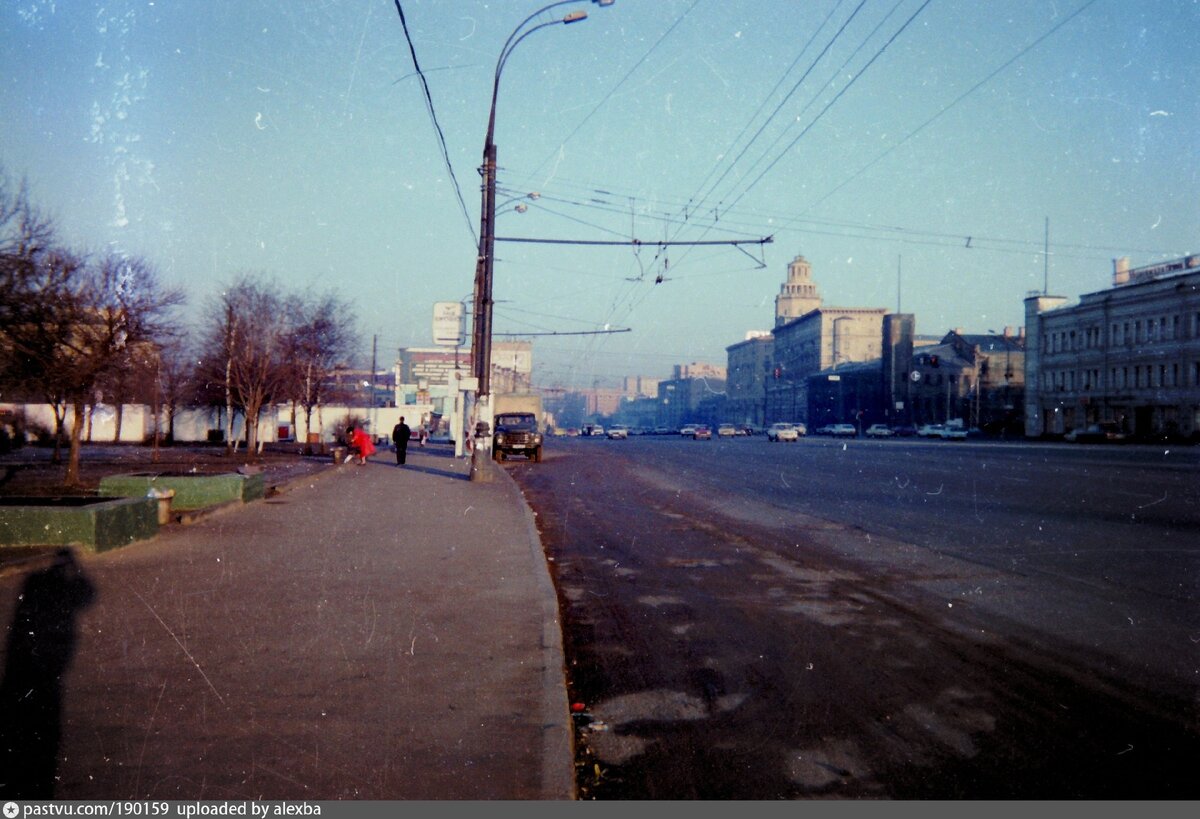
(371, 633)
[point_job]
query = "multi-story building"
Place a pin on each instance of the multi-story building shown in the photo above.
(512, 366)
(820, 339)
(1129, 354)
(978, 379)
(690, 399)
(749, 365)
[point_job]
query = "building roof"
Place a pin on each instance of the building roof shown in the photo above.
(989, 343)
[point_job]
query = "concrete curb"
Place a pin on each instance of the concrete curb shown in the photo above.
(558, 736)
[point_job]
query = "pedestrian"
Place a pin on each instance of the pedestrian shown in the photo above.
(360, 440)
(400, 435)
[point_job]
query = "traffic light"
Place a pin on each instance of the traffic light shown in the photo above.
(933, 361)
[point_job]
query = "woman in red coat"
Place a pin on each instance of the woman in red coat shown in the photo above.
(361, 441)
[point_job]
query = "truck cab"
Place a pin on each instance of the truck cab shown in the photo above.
(517, 433)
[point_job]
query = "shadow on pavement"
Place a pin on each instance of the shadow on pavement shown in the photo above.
(41, 644)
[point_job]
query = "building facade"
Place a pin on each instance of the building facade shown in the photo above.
(748, 368)
(1129, 354)
(819, 340)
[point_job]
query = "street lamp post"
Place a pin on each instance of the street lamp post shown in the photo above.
(481, 336)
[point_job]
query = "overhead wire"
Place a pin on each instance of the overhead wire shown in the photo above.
(436, 125)
(808, 128)
(811, 67)
(955, 102)
(619, 83)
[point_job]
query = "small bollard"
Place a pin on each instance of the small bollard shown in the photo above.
(163, 496)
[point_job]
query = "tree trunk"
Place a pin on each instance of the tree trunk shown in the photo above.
(72, 478)
(60, 411)
(119, 421)
(252, 414)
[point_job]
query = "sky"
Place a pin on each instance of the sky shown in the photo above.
(914, 152)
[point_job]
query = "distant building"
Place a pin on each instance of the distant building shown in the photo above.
(748, 368)
(1129, 354)
(976, 378)
(639, 386)
(821, 339)
(688, 400)
(512, 366)
(698, 370)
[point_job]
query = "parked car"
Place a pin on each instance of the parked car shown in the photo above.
(1104, 432)
(702, 433)
(905, 431)
(750, 429)
(782, 432)
(879, 431)
(726, 431)
(801, 428)
(827, 429)
(844, 431)
(930, 430)
(618, 431)
(687, 431)
(662, 431)
(953, 433)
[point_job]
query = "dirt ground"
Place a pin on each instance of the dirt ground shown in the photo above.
(30, 472)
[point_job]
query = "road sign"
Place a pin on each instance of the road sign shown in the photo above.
(448, 324)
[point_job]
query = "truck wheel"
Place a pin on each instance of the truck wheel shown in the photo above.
(537, 455)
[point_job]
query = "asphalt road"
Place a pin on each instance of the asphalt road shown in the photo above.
(903, 619)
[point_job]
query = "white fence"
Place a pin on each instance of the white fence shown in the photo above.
(194, 425)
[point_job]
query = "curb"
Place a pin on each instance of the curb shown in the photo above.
(558, 735)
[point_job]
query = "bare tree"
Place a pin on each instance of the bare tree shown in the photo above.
(322, 335)
(246, 349)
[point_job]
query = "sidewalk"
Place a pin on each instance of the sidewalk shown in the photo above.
(371, 633)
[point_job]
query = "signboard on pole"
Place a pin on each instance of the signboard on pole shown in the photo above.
(448, 328)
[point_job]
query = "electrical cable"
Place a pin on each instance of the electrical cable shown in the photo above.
(437, 127)
(955, 102)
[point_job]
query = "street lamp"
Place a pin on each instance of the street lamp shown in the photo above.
(481, 335)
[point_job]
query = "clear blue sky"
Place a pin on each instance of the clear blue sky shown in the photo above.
(293, 138)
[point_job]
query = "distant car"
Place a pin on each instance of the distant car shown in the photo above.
(879, 431)
(844, 431)
(801, 428)
(782, 432)
(826, 429)
(905, 431)
(662, 431)
(950, 433)
(1102, 433)
(750, 429)
(702, 433)
(930, 430)
(726, 431)
(687, 431)
(618, 431)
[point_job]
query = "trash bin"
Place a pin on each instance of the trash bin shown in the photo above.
(163, 496)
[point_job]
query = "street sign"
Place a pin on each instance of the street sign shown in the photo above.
(448, 324)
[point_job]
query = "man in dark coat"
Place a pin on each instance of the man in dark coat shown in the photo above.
(400, 435)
